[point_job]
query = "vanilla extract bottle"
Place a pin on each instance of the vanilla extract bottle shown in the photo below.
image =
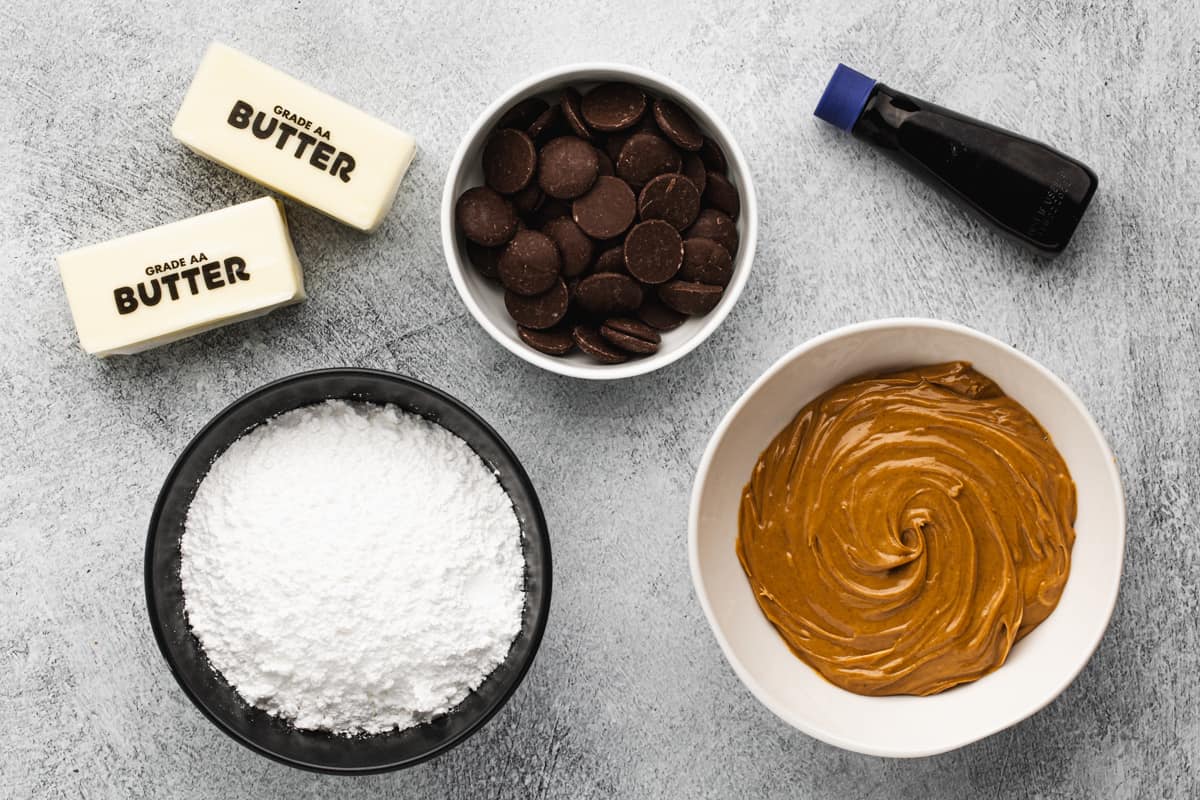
(1028, 190)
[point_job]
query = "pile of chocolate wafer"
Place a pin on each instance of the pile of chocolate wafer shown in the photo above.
(607, 217)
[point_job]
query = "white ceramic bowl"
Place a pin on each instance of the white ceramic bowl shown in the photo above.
(1038, 668)
(486, 301)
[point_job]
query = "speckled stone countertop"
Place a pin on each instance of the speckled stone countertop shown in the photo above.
(629, 696)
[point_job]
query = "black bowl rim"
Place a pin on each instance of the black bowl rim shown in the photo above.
(538, 524)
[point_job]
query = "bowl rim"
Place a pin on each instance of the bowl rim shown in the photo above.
(746, 249)
(537, 527)
(816, 731)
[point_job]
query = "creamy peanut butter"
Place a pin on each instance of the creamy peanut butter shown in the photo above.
(905, 530)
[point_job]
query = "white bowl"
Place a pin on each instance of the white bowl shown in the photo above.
(1038, 668)
(486, 301)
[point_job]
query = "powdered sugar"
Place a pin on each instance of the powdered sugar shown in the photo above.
(352, 567)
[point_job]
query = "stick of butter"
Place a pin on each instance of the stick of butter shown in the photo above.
(140, 291)
(293, 139)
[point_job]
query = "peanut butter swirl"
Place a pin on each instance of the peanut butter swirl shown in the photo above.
(905, 530)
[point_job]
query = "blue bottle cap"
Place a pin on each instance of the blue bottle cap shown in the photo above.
(844, 97)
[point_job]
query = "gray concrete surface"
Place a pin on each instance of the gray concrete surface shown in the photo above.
(630, 696)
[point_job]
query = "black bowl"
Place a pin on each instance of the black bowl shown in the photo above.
(262, 732)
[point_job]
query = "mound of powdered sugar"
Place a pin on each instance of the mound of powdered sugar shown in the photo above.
(353, 568)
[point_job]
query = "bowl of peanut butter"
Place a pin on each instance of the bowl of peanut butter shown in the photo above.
(907, 536)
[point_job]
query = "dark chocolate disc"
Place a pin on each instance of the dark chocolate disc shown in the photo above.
(722, 195)
(509, 161)
(569, 102)
(690, 297)
(656, 315)
(539, 311)
(653, 251)
(530, 263)
(485, 217)
(607, 210)
(676, 125)
(706, 261)
(591, 342)
(631, 335)
(672, 198)
(608, 293)
(634, 327)
(554, 342)
(715, 225)
(576, 249)
(644, 156)
(613, 106)
(567, 167)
